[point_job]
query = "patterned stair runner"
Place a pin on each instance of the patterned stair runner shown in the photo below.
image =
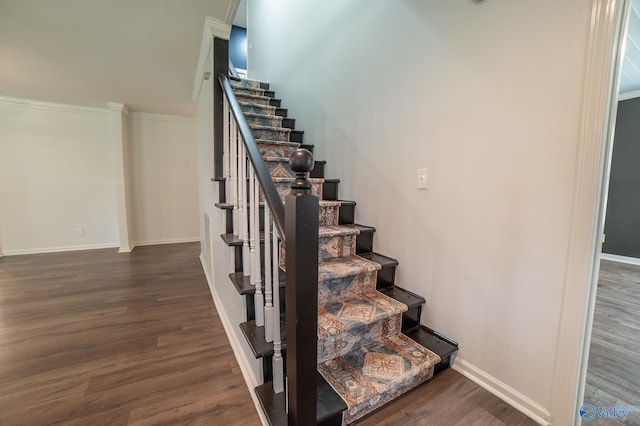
(361, 350)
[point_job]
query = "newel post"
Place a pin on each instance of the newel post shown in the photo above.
(220, 66)
(301, 231)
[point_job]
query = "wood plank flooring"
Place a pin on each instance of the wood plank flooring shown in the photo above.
(100, 338)
(613, 372)
(448, 399)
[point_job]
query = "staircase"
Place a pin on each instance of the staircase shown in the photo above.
(372, 347)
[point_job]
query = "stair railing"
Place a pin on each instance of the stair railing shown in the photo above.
(247, 184)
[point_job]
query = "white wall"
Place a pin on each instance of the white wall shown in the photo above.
(164, 176)
(217, 257)
(488, 97)
(56, 175)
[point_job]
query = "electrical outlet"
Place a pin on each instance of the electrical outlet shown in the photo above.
(79, 232)
(422, 178)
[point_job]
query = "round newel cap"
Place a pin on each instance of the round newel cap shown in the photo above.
(301, 161)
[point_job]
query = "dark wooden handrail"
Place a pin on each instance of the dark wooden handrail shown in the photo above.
(268, 188)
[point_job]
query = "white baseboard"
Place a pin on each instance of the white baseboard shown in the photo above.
(247, 373)
(58, 249)
(168, 241)
(621, 259)
(503, 391)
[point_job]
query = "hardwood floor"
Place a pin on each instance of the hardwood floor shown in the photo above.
(613, 372)
(449, 399)
(100, 338)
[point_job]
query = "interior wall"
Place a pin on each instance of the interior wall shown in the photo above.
(488, 98)
(217, 257)
(56, 175)
(164, 178)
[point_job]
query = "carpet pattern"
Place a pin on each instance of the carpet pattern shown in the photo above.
(361, 350)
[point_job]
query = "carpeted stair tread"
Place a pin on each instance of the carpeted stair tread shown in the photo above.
(246, 98)
(264, 120)
(375, 374)
(340, 267)
(262, 127)
(246, 83)
(336, 231)
(251, 107)
(248, 91)
(275, 142)
(343, 315)
(290, 180)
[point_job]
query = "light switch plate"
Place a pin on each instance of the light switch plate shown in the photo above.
(423, 175)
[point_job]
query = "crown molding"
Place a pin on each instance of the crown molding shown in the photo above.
(231, 11)
(162, 117)
(118, 107)
(212, 28)
(51, 106)
(629, 95)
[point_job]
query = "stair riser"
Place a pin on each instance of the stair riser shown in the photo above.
(330, 190)
(264, 120)
(330, 347)
(318, 170)
(364, 244)
(275, 150)
(328, 217)
(250, 84)
(347, 214)
(240, 91)
(338, 246)
(260, 100)
(330, 289)
(271, 134)
(296, 136)
(279, 169)
(257, 109)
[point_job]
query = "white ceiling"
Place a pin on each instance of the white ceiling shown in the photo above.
(630, 73)
(142, 53)
(241, 15)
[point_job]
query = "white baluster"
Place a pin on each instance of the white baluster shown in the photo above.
(257, 266)
(278, 362)
(268, 304)
(243, 210)
(226, 137)
(234, 175)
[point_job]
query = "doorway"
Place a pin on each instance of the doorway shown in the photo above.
(612, 357)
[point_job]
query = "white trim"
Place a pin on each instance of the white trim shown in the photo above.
(503, 391)
(167, 241)
(118, 107)
(60, 249)
(162, 117)
(620, 259)
(52, 106)
(231, 11)
(581, 267)
(247, 373)
(629, 95)
(212, 28)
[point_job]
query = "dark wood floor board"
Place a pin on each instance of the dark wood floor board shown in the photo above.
(97, 337)
(613, 372)
(448, 399)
